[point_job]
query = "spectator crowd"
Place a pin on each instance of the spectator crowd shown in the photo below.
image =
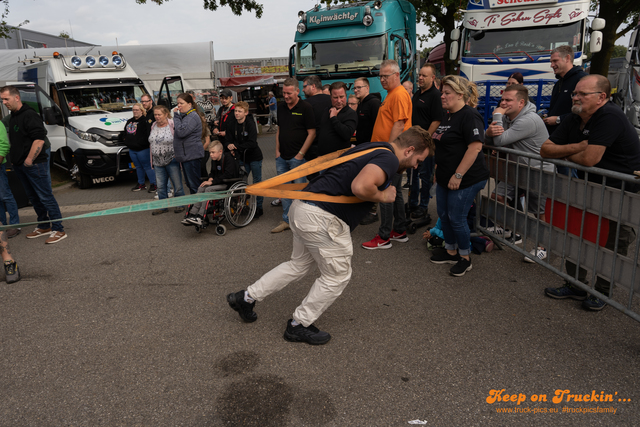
(433, 132)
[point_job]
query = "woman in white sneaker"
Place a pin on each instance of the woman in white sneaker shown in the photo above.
(460, 170)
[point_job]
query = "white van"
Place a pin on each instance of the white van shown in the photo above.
(84, 101)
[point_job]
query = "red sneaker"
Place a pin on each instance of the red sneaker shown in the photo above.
(377, 243)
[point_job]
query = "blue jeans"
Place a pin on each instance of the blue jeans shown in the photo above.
(191, 169)
(36, 181)
(283, 166)
(255, 168)
(163, 174)
(142, 161)
(423, 174)
(453, 208)
(392, 216)
(6, 199)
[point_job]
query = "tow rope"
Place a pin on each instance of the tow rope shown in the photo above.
(273, 187)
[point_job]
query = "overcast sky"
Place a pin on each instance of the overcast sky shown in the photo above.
(177, 21)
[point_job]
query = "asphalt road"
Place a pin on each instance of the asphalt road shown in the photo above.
(125, 323)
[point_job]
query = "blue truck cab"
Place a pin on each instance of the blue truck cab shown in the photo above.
(344, 42)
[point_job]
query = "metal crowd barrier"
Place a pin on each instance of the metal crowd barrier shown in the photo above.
(581, 212)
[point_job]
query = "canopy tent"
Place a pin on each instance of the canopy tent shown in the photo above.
(192, 61)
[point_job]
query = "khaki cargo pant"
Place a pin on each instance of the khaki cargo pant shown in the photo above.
(319, 238)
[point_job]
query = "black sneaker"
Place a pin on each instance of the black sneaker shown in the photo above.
(159, 211)
(461, 267)
(139, 187)
(309, 334)
(259, 213)
(195, 220)
(566, 291)
(12, 272)
(418, 213)
(591, 303)
(441, 256)
(153, 188)
(369, 219)
(515, 238)
(244, 309)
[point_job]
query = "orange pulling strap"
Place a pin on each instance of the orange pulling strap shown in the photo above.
(278, 187)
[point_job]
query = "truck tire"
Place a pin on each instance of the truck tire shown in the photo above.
(84, 181)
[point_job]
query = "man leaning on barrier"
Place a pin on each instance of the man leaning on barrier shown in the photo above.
(521, 129)
(597, 134)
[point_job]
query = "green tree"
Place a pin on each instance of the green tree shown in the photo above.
(236, 6)
(64, 34)
(617, 13)
(5, 29)
(618, 51)
(440, 16)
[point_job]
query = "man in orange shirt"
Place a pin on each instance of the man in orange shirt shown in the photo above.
(394, 117)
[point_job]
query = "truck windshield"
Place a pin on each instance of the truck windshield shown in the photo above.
(522, 41)
(340, 55)
(98, 100)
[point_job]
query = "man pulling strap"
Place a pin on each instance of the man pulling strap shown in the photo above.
(322, 230)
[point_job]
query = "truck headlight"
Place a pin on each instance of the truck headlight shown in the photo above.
(76, 61)
(367, 20)
(87, 136)
(302, 28)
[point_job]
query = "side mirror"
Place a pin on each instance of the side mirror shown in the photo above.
(596, 41)
(52, 116)
(455, 34)
(632, 44)
(598, 24)
(453, 50)
(292, 67)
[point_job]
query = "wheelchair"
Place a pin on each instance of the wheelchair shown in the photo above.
(238, 209)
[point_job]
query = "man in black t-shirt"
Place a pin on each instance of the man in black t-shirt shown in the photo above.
(367, 114)
(321, 103)
(296, 132)
(427, 113)
(568, 76)
(225, 117)
(322, 231)
(147, 103)
(597, 134)
(338, 123)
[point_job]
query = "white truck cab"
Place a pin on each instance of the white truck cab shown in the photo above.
(84, 101)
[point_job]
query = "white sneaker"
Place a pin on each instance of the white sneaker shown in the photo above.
(170, 194)
(499, 231)
(540, 253)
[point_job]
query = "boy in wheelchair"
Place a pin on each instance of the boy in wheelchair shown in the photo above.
(224, 169)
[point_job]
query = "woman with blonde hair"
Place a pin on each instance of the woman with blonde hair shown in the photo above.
(460, 170)
(136, 138)
(163, 157)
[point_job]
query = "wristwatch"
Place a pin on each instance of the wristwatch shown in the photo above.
(558, 120)
(458, 175)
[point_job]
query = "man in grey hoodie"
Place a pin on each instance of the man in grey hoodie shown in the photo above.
(521, 129)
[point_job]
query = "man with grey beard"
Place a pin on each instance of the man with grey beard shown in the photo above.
(596, 134)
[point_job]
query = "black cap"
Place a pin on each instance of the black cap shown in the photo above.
(226, 93)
